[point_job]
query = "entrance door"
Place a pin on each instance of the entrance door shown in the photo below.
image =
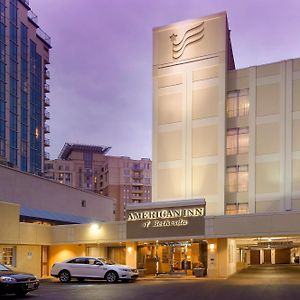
(267, 256)
(255, 257)
(45, 266)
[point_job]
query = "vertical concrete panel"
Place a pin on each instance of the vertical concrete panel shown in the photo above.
(252, 139)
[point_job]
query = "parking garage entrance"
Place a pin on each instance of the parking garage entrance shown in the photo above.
(273, 250)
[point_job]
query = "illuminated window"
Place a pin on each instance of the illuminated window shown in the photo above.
(237, 103)
(237, 141)
(237, 179)
(238, 208)
(7, 256)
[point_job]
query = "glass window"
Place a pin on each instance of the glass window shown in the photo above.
(7, 256)
(237, 103)
(237, 141)
(237, 179)
(237, 208)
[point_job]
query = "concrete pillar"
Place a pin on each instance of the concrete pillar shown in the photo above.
(131, 254)
(212, 266)
(217, 258)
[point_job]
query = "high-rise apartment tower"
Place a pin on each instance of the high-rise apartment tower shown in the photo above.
(24, 49)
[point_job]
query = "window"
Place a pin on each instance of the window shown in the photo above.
(237, 179)
(88, 160)
(238, 208)
(79, 260)
(237, 141)
(237, 103)
(8, 256)
(83, 203)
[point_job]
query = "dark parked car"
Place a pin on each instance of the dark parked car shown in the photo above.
(16, 283)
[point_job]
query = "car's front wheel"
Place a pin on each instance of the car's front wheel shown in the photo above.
(111, 277)
(64, 276)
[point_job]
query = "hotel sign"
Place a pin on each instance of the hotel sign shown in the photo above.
(160, 222)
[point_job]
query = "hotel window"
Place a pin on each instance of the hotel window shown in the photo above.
(238, 208)
(8, 256)
(237, 104)
(237, 179)
(237, 141)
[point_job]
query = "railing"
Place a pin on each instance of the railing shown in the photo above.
(47, 74)
(47, 101)
(44, 36)
(47, 88)
(46, 155)
(47, 115)
(137, 176)
(26, 2)
(32, 17)
(47, 142)
(47, 129)
(137, 168)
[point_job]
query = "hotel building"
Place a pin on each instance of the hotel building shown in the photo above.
(23, 87)
(87, 167)
(225, 171)
(224, 134)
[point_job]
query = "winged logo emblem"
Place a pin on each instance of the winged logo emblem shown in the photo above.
(191, 36)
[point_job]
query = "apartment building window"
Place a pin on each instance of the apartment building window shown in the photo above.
(237, 141)
(67, 178)
(83, 203)
(237, 178)
(88, 160)
(237, 103)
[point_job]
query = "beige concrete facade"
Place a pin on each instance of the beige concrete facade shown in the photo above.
(189, 95)
(35, 247)
(226, 135)
(35, 192)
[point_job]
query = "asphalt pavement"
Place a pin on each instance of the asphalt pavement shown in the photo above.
(260, 282)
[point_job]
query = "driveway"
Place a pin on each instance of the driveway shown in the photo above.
(258, 282)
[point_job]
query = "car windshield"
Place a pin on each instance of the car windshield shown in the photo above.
(107, 261)
(3, 268)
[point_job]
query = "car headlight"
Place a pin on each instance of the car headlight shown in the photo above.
(125, 270)
(7, 279)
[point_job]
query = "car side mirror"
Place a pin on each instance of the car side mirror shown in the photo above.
(98, 263)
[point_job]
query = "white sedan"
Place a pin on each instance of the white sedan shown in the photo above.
(92, 268)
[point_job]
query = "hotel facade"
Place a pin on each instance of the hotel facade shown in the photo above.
(225, 169)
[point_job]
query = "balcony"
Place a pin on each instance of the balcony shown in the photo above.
(47, 142)
(26, 3)
(43, 36)
(137, 176)
(46, 101)
(137, 183)
(47, 74)
(47, 129)
(137, 191)
(136, 197)
(137, 168)
(47, 115)
(47, 155)
(47, 88)
(32, 17)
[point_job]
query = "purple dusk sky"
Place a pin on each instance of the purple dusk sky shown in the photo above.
(101, 61)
